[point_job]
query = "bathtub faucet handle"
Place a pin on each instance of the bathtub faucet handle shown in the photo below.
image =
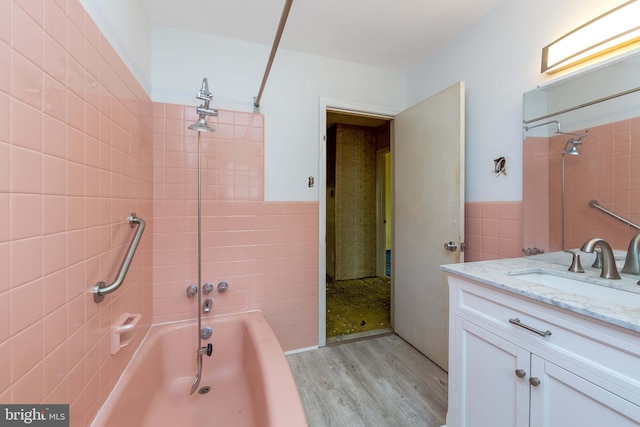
(207, 288)
(192, 290)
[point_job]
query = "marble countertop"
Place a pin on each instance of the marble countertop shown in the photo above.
(496, 274)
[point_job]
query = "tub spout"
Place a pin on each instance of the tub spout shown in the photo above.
(206, 306)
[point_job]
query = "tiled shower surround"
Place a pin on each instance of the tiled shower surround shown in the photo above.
(266, 251)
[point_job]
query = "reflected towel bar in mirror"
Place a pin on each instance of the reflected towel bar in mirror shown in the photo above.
(596, 204)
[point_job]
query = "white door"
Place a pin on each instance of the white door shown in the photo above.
(428, 211)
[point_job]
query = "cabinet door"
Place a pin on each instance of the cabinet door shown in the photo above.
(488, 391)
(564, 399)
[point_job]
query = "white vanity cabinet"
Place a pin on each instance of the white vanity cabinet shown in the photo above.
(546, 367)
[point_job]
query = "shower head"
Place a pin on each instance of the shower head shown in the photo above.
(201, 125)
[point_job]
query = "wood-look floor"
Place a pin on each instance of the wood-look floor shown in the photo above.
(380, 381)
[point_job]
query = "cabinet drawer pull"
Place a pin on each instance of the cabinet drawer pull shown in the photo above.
(534, 381)
(517, 322)
(520, 373)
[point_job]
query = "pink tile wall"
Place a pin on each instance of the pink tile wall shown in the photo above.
(75, 160)
(535, 193)
(605, 171)
(266, 251)
(493, 230)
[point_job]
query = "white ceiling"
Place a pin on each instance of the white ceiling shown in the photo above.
(390, 34)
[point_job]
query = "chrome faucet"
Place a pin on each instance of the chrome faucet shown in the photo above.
(609, 269)
(632, 261)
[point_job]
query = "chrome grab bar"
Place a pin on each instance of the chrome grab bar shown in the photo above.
(101, 289)
(596, 204)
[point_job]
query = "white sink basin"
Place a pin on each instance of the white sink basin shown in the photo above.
(576, 286)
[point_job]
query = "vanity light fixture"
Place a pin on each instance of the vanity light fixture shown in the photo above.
(616, 28)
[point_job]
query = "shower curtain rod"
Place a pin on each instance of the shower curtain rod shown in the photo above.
(586, 104)
(274, 49)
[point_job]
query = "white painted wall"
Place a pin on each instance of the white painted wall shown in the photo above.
(499, 59)
(126, 25)
(290, 102)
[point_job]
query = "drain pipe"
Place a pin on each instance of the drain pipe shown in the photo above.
(274, 49)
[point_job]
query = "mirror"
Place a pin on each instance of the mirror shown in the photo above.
(604, 103)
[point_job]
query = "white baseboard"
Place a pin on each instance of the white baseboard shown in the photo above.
(300, 350)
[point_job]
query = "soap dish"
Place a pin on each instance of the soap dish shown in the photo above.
(122, 331)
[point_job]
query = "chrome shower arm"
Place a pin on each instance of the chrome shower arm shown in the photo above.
(579, 136)
(558, 129)
(557, 123)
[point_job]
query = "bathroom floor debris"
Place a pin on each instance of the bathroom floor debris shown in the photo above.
(359, 305)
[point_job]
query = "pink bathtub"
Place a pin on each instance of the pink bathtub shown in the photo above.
(251, 383)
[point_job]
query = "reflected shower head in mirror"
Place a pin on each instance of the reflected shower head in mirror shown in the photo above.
(572, 151)
(203, 110)
(571, 147)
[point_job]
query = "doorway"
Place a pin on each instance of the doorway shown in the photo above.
(358, 226)
(427, 146)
